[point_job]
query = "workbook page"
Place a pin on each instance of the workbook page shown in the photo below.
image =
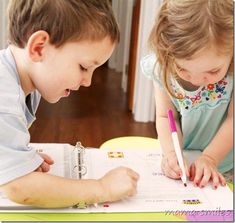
(156, 192)
(63, 155)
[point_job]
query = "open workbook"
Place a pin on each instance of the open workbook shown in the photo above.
(156, 193)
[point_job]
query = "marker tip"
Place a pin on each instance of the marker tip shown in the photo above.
(185, 184)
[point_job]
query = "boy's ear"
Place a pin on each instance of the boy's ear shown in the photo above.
(36, 45)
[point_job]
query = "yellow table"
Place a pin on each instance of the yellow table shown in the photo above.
(127, 142)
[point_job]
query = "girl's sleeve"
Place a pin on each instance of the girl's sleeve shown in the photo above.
(151, 69)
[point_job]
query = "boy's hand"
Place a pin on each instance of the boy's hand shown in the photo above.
(45, 166)
(170, 166)
(119, 183)
(203, 169)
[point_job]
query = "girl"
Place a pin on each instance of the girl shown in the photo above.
(193, 76)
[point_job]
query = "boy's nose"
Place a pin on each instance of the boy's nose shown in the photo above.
(86, 82)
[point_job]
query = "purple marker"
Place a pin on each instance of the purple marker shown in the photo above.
(176, 144)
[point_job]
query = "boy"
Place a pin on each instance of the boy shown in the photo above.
(54, 47)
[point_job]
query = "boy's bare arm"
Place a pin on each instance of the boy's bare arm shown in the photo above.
(48, 191)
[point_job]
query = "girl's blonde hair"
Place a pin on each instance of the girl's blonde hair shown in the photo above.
(64, 20)
(184, 27)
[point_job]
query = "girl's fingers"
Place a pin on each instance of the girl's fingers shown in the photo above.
(198, 175)
(205, 178)
(192, 172)
(186, 169)
(168, 171)
(173, 166)
(222, 179)
(215, 180)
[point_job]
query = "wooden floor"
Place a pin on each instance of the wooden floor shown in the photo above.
(91, 115)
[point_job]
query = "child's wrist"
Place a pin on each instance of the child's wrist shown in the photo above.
(211, 158)
(167, 153)
(102, 193)
(97, 193)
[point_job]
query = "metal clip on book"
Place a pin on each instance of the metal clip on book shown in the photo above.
(81, 168)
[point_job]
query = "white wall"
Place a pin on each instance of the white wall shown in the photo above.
(144, 104)
(119, 60)
(3, 23)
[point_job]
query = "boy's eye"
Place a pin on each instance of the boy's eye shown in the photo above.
(83, 68)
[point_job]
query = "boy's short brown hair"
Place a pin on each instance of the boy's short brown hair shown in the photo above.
(64, 20)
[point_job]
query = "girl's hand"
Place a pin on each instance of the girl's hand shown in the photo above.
(170, 166)
(45, 166)
(119, 183)
(204, 169)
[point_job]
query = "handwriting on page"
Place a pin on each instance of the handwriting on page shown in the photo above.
(155, 191)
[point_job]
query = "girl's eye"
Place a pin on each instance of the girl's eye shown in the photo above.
(179, 69)
(214, 72)
(182, 70)
(83, 68)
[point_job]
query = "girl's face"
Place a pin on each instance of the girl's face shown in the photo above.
(205, 67)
